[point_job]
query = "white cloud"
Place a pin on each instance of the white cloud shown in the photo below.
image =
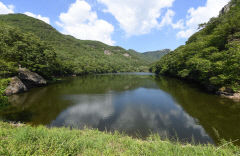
(6, 9)
(83, 23)
(45, 19)
(10, 9)
(178, 25)
(186, 33)
(137, 17)
(168, 20)
(201, 15)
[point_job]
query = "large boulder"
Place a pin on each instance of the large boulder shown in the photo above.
(16, 86)
(31, 79)
(24, 81)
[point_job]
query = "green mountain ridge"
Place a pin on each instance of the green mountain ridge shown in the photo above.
(79, 56)
(211, 56)
(153, 56)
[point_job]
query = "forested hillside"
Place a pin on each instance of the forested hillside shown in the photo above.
(26, 50)
(153, 56)
(75, 56)
(212, 55)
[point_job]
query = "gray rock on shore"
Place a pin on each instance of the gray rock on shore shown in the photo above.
(16, 86)
(31, 79)
(24, 81)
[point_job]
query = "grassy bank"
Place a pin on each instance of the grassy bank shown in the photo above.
(27, 140)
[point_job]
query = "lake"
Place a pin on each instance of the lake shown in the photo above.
(137, 104)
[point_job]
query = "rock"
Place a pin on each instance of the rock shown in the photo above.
(234, 96)
(229, 93)
(107, 52)
(24, 81)
(126, 55)
(31, 79)
(16, 86)
(226, 90)
(226, 8)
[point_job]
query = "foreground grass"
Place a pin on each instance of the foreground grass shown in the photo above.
(26, 140)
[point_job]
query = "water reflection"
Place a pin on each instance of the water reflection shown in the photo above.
(138, 113)
(136, 104)
(218, 116)
(88, 111)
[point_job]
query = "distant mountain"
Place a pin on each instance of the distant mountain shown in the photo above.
(153, 56)
(79, 56)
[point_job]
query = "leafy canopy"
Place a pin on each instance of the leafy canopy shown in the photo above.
(211, 56)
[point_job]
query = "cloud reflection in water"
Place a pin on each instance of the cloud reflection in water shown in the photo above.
(139, 112)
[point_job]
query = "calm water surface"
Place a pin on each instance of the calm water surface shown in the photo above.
(137, 104)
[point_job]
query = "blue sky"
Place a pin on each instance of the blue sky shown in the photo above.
(142, 25)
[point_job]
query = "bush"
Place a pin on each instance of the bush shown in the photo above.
(3, 85)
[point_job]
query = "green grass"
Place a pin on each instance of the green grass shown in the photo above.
(26, 140)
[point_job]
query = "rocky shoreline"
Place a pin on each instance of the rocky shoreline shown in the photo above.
(233, 96)
(24, 81)
(229, 93)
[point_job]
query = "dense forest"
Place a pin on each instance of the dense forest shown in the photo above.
(26, 50)
(37, 46)
(211, 56)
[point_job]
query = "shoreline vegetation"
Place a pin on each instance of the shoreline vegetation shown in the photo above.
(21, 139)
(211, 56)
